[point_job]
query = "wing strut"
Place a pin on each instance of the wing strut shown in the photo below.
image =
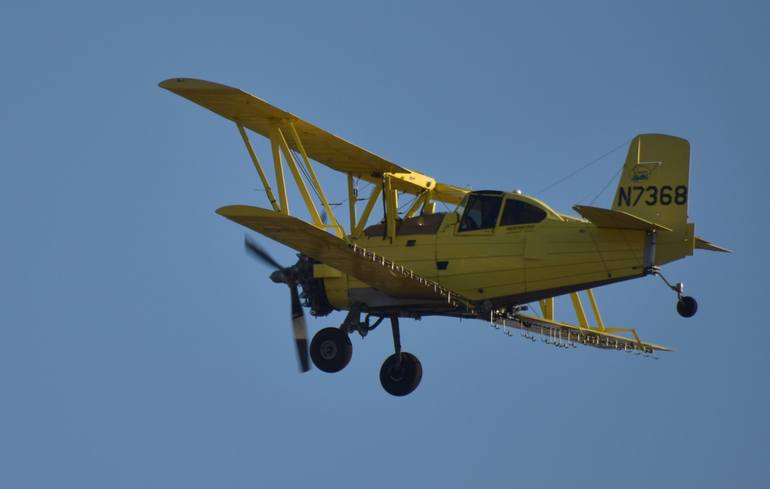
(259, 169)
(290, 135)
(283, 152)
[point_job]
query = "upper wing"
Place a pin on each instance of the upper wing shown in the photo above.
(260, 117)
(321, 146)
(380, 273)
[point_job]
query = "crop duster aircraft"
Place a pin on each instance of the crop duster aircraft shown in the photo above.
(489, 259)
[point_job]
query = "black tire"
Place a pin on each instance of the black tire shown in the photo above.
(331, 350)
(400, 380)
(686, 307)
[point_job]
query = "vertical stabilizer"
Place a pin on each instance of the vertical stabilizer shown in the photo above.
(654, 186)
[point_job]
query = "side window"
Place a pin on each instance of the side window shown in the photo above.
(480, 212)
(518, 212)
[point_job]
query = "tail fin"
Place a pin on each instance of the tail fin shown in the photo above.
(654, 186)
(655, 180)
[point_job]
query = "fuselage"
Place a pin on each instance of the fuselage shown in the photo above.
(505, 248)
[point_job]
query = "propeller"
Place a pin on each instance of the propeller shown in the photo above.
(287, 276)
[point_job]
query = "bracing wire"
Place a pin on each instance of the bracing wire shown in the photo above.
(587, 165)
(407, 204)
(606, 185)
(306, 173)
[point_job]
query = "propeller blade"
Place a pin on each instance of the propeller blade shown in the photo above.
(260, 254)
(299, 328)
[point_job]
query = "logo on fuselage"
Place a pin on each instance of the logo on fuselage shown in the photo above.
(640, 173)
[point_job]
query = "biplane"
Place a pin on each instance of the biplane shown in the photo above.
(496, 257)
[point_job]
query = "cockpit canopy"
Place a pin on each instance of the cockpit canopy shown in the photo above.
(485, 209)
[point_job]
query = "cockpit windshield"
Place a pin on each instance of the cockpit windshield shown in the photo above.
(480, 211)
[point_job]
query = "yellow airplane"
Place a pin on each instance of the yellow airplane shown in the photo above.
(489, 259)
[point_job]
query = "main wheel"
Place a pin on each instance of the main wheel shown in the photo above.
(400, 380)
(686, 306)
(331, 350)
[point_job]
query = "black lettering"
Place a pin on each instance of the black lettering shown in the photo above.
(680, 195)
(665, 194)
(624, 195)
(652, 198)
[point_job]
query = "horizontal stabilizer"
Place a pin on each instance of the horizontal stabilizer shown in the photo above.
(702, 244)
(607, 218)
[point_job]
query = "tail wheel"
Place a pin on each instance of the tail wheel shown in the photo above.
(686, 306)
(331, 350)
(400, 378)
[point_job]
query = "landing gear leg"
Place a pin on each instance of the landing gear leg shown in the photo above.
(686, 306)
(401, 372)
(396, 336)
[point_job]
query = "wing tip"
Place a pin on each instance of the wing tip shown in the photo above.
(230, 211)
(173, 83)
(239, 210)
(180, 84)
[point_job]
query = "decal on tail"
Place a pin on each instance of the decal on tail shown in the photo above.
(654, 186)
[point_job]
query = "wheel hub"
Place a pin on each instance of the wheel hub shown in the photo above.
(328, 350)
(396, 374)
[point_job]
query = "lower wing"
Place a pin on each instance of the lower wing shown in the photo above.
(380, 273)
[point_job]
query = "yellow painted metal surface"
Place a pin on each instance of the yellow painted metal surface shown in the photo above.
(321, 270)
(579, 312)
(352, 199)
(501, 266)
(558, 332)
(279, 177)
(702, 244)
(654, 186)
(337, 291)
(595, 308)
(320, 145)
(563, 334)
(391, 205)
(514, 260)
(607, 218)
(289, 158)
(655, 179)
(376, 191)
(259, 169)
(419, 201)
(547, 307)
(528, 258)
(315, 183)
(378, 271)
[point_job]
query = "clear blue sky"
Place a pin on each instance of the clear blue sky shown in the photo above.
(140, 347)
